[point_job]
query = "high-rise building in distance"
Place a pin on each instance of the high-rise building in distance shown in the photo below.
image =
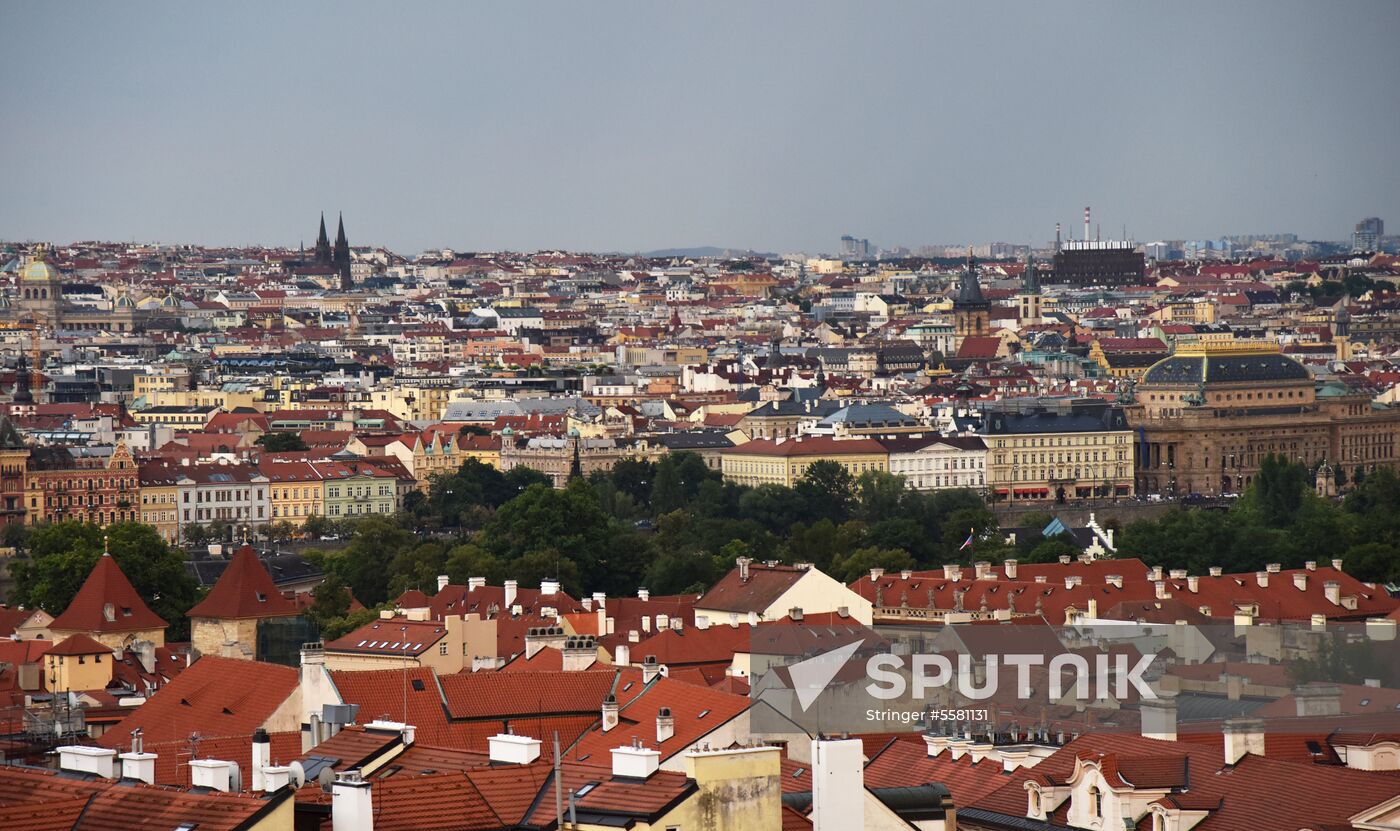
(1368, 233)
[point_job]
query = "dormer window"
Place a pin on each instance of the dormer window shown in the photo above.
(1034, 803)
(1096, 801)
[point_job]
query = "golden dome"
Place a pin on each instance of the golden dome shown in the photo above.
(38, 270)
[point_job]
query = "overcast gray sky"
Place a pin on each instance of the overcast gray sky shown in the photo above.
(630, 126)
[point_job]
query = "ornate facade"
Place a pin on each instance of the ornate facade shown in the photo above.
(1206, 417)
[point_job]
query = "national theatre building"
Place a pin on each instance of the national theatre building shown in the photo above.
(1205, 418)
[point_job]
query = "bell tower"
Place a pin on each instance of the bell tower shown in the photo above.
(971, 311)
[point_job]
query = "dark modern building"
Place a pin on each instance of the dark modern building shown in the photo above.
(1099, 263)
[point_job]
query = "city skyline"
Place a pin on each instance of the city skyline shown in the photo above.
(639, 129)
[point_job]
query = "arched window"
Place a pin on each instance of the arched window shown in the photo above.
(1096, 800)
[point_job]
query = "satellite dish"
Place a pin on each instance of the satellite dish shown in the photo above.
(297, 774)
(326, 778)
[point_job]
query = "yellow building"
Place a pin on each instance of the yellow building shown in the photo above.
(785, 461)
(411, 640)
(160, 499)
(1078, 451)
(295, 489)
(78, 662)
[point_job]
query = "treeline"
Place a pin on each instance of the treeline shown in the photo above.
(1281, 519)
(676, 526)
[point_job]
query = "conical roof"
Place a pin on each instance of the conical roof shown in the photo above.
(244, 590)
(107, 602)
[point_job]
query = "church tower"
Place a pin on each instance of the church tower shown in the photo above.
(1028, 299)
(1341, 330)
(323, 246)
(340, 258)
(971, 311)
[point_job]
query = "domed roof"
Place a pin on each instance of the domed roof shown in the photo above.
(39, 271)
(124, 301)
(1226, 369)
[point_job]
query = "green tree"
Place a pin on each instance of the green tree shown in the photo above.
(773, 506)
(860, 562)
(471, 560)
(281, 442)
(881, 495)
(827, 489)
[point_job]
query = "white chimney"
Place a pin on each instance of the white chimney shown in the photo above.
(275, 778)
(753, 618)
(474, 583)
(405, 731)
(1273, 568)
(1155, 574)
(838, 784)
(646, 623)
(743, 564)
(1243, 736)
(1158, 718)
(635, 762)
(215, 774)
(1216, 571)
(352, 806)
(82, 759)
(1193, 584)
(702, 621)
(442, 581)
(1333, 591)
(139, 765)
(643, 594)
(509, 749)
(610, 712)
(1337, 563)
(1013, 758)
(549, 587)
(957, 748)
(600, 599)
(935, 744)
(665, 725)
(906, 573)
(1310, 565)
(511, 588)
(663, 622)
(1300, 580)
(980, 751)
(622, 655)
(876, 574)
(1009, 566)
(650, 669)
(260, 758)
(1114, 580)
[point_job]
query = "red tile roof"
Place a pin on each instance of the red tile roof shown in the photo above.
(107, 585)
(244, 590)
(477, 695)
(78, 644)
(765, 584)
(213, 697)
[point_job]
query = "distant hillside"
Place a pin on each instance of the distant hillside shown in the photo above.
(708, 251)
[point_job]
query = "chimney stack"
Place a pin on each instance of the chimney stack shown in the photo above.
(352, 806)
(260, 759)
(838, 784)
(511, 588)
(510, 749)
(635, 762)
(665, 725)
(610, 712)
(442, 581)
(1242, 737)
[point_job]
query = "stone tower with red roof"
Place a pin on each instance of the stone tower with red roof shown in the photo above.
(108, 610)
(225, 622)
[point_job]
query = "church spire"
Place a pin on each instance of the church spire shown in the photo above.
(340, 258)
(323, 244)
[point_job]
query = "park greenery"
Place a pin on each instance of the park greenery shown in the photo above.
(675, 526)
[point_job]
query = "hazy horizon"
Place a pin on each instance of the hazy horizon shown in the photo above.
(637, 127)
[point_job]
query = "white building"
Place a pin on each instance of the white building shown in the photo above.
(933, 462)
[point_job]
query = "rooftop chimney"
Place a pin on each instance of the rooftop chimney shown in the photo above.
(1193, 584)
(260, 759)
(650, 669)
(474, 583)
(665, 725)
(1010, 568)
(352, 806)
(214, 774)
(442, 581)
(1337, 563)
(635, 762)
(610, 712)
(83, 759)
(1158, 718)
(1300, 580)
(1114, 580)
(511, 588)
(1262, 578)
(510, 749)
(838, 784)
(1333, 591)
(1215, 571)
(743, 563)
(138, 765)
(549, 587)
(643, 594)
(1243, 736)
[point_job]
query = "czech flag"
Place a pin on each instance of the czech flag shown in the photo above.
(967, 543)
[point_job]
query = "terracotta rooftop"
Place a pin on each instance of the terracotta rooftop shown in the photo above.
(244, 590)
(107, 602)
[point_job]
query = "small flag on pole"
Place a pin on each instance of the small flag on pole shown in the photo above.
(967, 543)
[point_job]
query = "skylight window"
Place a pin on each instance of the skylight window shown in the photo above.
(703, 713)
